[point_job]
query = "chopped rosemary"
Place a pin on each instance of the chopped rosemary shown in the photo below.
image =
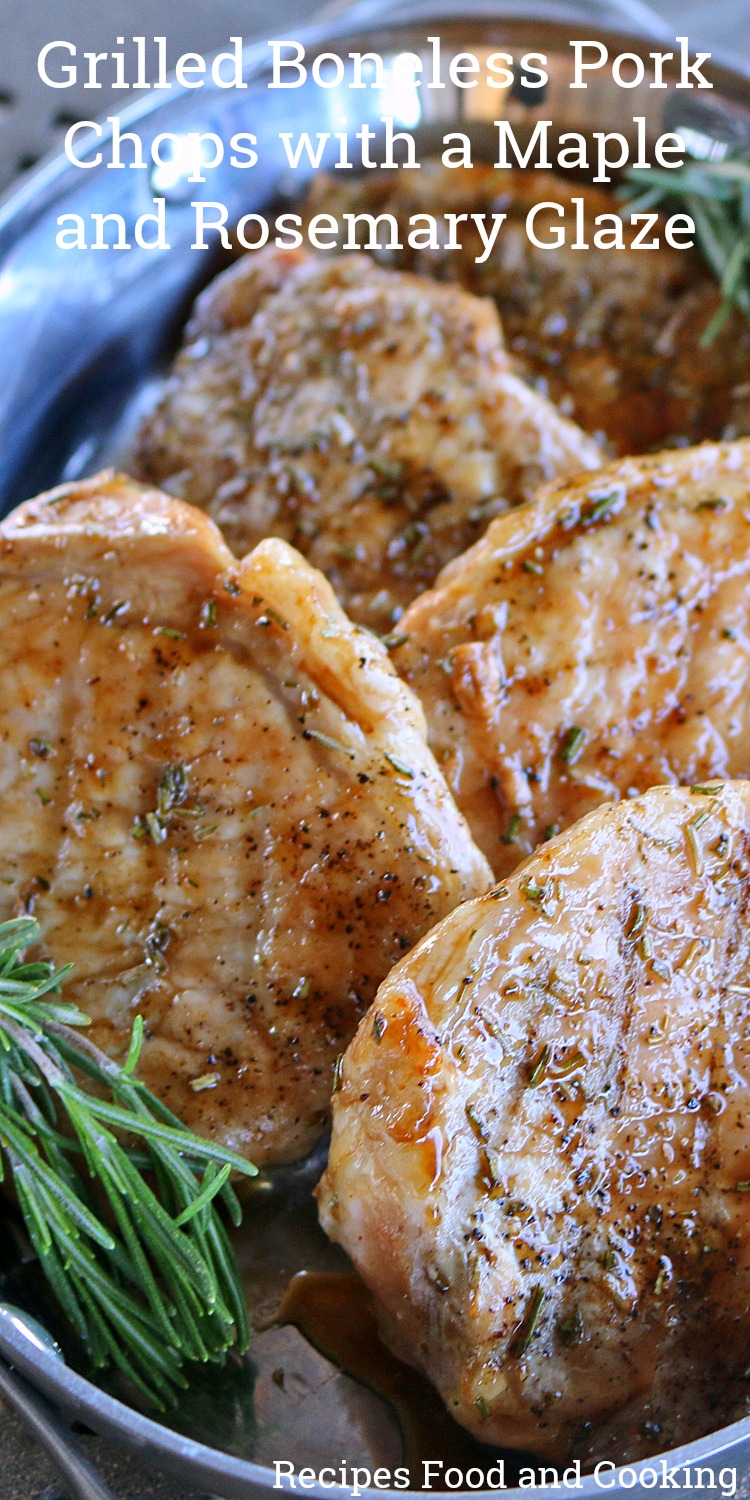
(541, 897)
(171, 795)
(480, 1129)
(572, 744)
(539, 1068)
(529, 1323)
(694, 952)
(514, 823)
(718, 502)
(576, 1060)
(704, 814)
(488, 1178)
(206, 1081)
(327, 740)
(693, 850)
(270, 616)
(570, 1330)
(636, 920)
(601, 507)
(399, 765)
(172, 789)
(716, 194)
(117, 1196)
(118, 608)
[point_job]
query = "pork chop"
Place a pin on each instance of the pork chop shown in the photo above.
(540, 1159)
(593, 644)
(616, 339)
(217, 800)
(370, 418)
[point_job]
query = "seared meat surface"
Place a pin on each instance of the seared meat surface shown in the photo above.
(541, 1158)
(216, 798)
(613, 337)
(593, 644)
(368, 417)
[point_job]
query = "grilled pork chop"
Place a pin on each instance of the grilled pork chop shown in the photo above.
(216, 798)
(593, 644)
(370, 418)
(615, 339)
(541, 1160)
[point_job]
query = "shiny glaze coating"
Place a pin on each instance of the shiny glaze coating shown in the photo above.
(613, 337)
(540, 1159)
(592, 644)
(368, 417)
(216, 799)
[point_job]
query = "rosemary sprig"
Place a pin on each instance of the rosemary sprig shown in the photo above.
(716, 194)
(118, 1197)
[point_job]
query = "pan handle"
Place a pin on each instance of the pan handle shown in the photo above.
(633, 15)
(81, 1478)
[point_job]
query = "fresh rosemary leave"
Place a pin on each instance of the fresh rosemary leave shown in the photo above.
(716, 194)
(118, 1198)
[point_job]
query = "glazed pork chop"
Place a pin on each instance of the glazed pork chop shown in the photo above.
(217, 800)
(370, 418)
(593, 644)
(618, 340)
(540, 1159)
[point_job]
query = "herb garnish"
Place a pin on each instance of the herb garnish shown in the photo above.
(127, 1235)
(171, 795)
(540, 1067)
(541, 897)
(478, 1126)
(717, 503)
(399, 765)
(572, 744)
(716, 194)
(570, 1330)
(514, 823)
(528, 1327)
(327, 740)
(601, 506)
